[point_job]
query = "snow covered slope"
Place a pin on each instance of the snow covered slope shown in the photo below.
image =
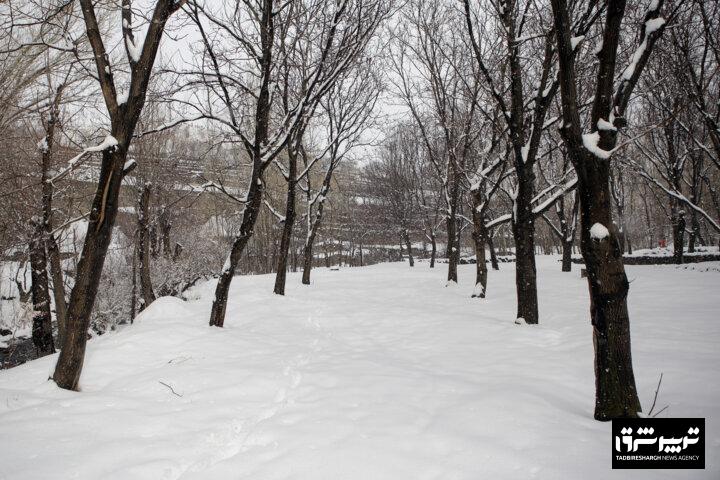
(371, 373)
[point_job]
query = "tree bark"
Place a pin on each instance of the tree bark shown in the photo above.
(616, 395)
(42, 335)
(288, 224)
(252, 210)
(678, 228)
(147, 294)
(493, 255)
(89, 268)
(523, 228)
(567, 256)
(58, 284)
(481, 271)
(408, 245)
(433, 252)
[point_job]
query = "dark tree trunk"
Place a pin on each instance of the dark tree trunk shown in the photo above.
(567, 256)
(408, 245)
(523, 227)
(433, 252)
(288, 224)
(452, 252)
(678, 227)
(616, 395)
(165, 227)
(123, 119)
(89, 268)
(252, 209)
(314, 227)
(493, 255)
(692, 235)
(133, 296)
(307, 262)
(58, 284)
(42, 335)
(453, 243)
(615, 391)
(146, 289)
(481, 271)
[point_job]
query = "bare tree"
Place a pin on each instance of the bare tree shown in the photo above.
(124, 114)
(616, 395)
(347, 114)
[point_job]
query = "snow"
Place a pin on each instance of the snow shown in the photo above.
(122, 96)
(108, 142)
(370, 373)
(575, 41)
(653, 25)
(598, 231)
(590, 142)
(524, 151)
(133, 50)
(603, 124)
(42, 145)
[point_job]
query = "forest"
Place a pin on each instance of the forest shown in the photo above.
(280, 238)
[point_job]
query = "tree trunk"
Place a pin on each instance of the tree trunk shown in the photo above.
(89, 269)
(523, 227)
(408, 245)
(58, 284)
(493, 255)
(452, 252)
(288, 224)
(165, 227)
(147, 294)
(433, 252)
(692, 235)
(250, 214)
(678, 227)
(567, 256)
(310, 240)
(307, 262)
(481, 271)
(42, 335)
(616, 395)
(133, 296)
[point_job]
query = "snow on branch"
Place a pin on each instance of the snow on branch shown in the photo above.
(108, 143)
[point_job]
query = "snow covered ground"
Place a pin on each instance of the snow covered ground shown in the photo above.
(371, 373)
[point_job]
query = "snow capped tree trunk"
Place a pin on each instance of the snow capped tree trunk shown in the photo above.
(146, 289)
(615, 391)
(42, 320)
(616, 395)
